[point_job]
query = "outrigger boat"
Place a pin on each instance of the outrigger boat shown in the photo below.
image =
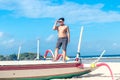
(44, 69)
(33, 70)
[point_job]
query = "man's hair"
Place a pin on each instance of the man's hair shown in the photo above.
(61, 19)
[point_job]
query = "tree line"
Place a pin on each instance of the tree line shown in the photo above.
(23, 56)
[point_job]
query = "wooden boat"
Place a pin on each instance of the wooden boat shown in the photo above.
(36, 70)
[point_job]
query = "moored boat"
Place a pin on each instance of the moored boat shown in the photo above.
(30, 70)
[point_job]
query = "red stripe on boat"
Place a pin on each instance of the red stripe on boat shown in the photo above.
(39, 66)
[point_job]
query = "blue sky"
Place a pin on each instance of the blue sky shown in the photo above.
(22, 22)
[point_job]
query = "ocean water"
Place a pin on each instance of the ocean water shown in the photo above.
(105, 58)
(90, 59)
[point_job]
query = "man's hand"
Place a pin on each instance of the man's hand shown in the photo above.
(56, 22)
(55, 25)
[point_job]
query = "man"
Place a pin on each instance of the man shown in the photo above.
(63, 37)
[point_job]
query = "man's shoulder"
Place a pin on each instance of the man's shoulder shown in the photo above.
(66, 26)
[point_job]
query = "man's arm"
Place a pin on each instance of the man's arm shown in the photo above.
(68, 34)
(55, 27)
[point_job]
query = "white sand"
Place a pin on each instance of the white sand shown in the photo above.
(102, 73)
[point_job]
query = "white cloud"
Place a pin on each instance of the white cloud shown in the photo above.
(1, 34)
(114, 44)
(6, 40)
(51, 38)
(73, 12)
(9, 42)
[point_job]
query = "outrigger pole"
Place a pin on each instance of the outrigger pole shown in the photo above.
(79, 46)
(19, 50)
(38, 49)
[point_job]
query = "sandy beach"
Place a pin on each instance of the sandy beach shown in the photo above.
(102, 73)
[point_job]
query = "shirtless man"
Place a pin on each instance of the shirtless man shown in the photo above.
(63, 37)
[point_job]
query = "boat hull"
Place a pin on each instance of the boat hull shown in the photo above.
(41, 71)
(42, 74)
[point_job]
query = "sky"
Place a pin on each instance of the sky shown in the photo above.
(22, 22)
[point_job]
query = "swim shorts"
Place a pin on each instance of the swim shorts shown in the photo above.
(62, 42)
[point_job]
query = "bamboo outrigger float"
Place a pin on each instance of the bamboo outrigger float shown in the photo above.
(44, 69)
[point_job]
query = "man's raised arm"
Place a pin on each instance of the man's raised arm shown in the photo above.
(55, 25)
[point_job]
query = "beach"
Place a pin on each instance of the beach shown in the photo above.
(101, 73)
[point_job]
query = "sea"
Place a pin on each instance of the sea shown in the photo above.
(105, 58)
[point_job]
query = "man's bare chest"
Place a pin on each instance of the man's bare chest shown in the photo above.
(62, 28)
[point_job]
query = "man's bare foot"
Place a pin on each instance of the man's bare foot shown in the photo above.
(54, 60)
(64, 61)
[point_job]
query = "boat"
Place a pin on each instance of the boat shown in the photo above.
(44, 69)
(41, 70)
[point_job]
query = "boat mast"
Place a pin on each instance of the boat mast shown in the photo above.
(79, 44)
(19, 51)
(38, 49)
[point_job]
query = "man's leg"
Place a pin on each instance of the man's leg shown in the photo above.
(64, 47)
(58, 45)
(56, 54)
(64, 55)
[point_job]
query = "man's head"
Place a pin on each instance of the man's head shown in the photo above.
(61, 21)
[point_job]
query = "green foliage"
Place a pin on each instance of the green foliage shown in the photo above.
(23, 56)
(11, 57)
(27, 56)
(2, 58)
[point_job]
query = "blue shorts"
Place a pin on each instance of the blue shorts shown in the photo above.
(62, 42)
